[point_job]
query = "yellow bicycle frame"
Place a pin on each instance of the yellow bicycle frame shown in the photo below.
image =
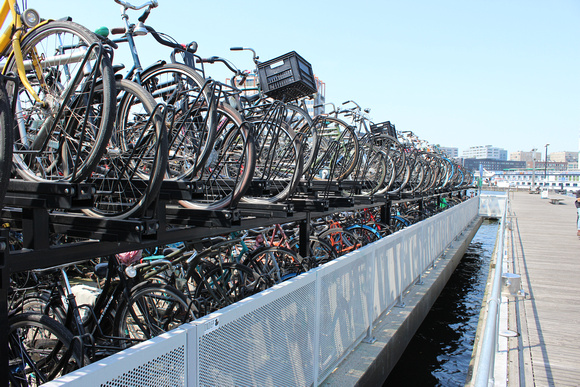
(13, 35)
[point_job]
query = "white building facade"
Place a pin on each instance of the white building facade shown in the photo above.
(485, 152)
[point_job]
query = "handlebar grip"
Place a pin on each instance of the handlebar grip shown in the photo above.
(344, 103)
(236, 48)
(244, 77)
(118, 30)
(145, 15)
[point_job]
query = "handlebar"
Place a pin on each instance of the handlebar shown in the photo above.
(214, 59)
(191, 47)
(230, 66)
(351, 101)
(127, 5)
(255, 56)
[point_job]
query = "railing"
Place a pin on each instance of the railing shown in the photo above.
(484, 372)
(492, 205)
(295, 333)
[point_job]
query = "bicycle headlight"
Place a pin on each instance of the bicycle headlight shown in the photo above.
(131, 271)
(31, 18)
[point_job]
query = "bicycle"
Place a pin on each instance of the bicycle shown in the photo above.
(62, 125)
(281, 134)
(6, 140)
(127, 309)
(375, 173)
(207, 143)
(39, 349)
(128, 177)
(337, 151)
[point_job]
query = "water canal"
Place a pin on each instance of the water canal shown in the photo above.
(440, 352)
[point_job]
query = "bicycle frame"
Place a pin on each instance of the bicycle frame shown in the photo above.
(12, 36)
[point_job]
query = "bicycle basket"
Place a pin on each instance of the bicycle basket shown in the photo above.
(384, 128)
(287, 77)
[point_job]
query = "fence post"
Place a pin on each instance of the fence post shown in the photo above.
(316, 344)
(370, 290)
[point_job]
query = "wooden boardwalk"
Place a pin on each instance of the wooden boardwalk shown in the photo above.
(544, 249)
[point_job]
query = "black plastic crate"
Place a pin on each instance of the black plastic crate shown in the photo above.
(384, 128)
(287, 77)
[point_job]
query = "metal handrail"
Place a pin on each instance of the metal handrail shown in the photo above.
(484, 373)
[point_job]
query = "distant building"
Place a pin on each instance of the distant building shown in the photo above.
(315, 105)
(525, 156)
(485, 152)
(493, 164)
(451, 152)
(552, 166)
(563, 157)
(568, 181)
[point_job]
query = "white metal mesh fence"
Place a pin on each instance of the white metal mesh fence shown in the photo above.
(295, 333)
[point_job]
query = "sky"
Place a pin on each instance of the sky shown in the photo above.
(457, 73)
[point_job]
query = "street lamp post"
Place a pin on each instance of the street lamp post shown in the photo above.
(534, 169)
(546, 167)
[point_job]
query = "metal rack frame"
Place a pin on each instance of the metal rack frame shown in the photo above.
(42, 209)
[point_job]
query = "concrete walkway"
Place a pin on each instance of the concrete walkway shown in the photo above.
(544, 249)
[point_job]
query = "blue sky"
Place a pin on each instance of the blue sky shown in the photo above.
(456, 72)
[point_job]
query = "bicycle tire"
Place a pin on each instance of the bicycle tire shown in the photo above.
(68, 153)
(275, 264)
(389, 176)
(193, 122)
(278, 160)
(229, 170)
(302, 124)
(6, 139)
(341, 240)
(130, 174)
(41, 302)
(319, 251)
(365, 234)
(380, 227)
(225, 284)
(162, 306)
(397, 154)
(48, 349)
(371, 168)
(417, 174)
(337, 150)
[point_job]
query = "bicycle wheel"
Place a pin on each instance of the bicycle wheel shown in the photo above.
(65, 139)
(151, 310)
(417, 175)
(301, 123)
(342, 241)
(365, 234)
(380, 227)
(337, 150)
(319, 252)
(40, 349)
(278, 160)
(192, 123)
(6, 138)
(229, 170)
(275, 263)
(129, 176)
(390, 174)
(224, 284)
(41, 302)
(400, 173)
(371, 168)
